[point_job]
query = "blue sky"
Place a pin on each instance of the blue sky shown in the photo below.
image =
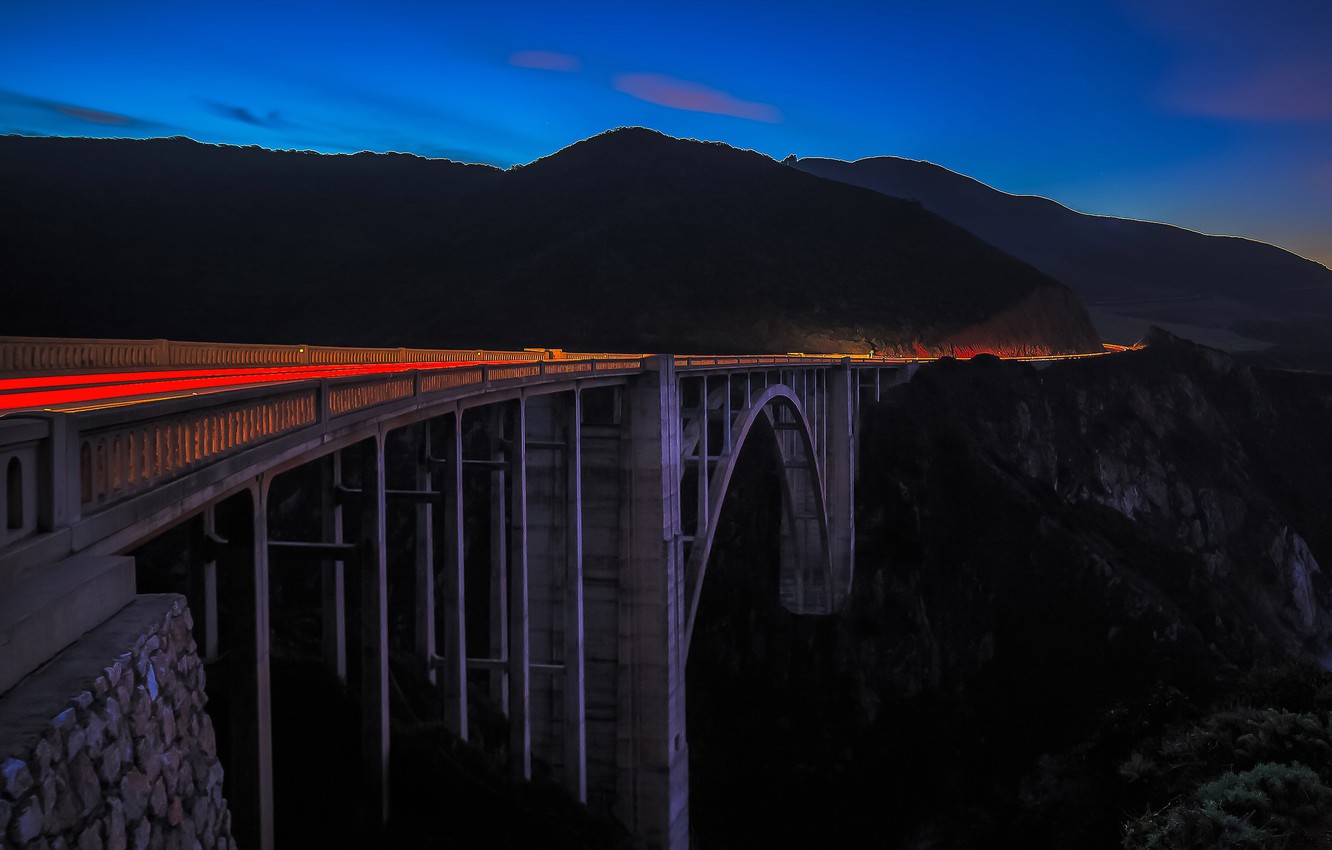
(1212, 115)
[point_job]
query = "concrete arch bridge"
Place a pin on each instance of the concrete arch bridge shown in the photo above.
(600, 479)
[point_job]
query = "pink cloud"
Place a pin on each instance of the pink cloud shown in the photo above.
(1293, 91)
(94, 116)
(546, 60)
(694, 97)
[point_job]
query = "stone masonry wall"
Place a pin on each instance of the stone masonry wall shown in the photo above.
(108, 747)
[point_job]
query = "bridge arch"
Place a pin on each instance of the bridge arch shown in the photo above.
(805, 561)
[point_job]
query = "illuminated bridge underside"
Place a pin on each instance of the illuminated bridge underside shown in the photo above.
(606, 479)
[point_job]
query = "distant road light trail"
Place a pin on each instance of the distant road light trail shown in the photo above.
(54, 392)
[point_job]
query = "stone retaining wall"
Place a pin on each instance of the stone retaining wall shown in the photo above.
(108, 746)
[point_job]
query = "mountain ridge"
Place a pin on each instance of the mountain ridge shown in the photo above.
(1131, 273)
(630, 240)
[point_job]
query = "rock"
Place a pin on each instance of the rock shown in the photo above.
(75, 742)
(157, 801)
(28, 820)
(108, 767)
(134, 791)
(171, 771)
(95, 733)
(175, 812)
(147, 759)
(15, 778)
(168, 720)
(42, 754)
(86, 783)
(116, 839)
(207, 740)
(141, 711)
(83, 701)
(91, 837)
(6, 811)
(142, 832)
(64, 815)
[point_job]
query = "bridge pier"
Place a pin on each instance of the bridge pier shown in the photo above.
(652, 754)
(249, 778)
(454, 660)
(373, 569)
(332, 580)
(840, 424)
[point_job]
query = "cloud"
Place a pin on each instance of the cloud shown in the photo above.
(1289, 91)
(80, 113)
(245, 116)
(668, 91)
(546, 60)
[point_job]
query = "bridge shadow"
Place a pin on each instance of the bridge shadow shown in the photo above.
(763, 690)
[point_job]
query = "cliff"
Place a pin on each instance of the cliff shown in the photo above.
(1054, 566)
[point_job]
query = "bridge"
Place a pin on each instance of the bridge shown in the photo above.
(567, 501)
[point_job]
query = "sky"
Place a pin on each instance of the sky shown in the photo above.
(1215, 116)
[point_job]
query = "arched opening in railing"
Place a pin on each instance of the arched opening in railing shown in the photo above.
(14, 494)
(85, 473)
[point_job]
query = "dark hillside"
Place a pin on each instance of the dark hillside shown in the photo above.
(1218, 289)
(630, 241)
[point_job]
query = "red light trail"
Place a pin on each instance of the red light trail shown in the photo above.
(53, 391)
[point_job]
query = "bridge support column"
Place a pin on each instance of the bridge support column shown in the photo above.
(575, 681)
(249, 778)
(374, 635)
(520, 658)
(652, 755)
(332, 581)
(454, 683)
(839, 473)
(425, 560)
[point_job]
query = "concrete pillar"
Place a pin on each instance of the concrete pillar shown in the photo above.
(454, 680)
(653, 757)
(575, 683)
(704, 479)
(603, 476)
(840, 480)
(332, 578)
(520, 659)
(204, 602)
(499, 562)
(249, 779)
(425, 560)
(373, 569)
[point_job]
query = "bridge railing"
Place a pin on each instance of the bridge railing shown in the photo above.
(46, 354)
(115, 453)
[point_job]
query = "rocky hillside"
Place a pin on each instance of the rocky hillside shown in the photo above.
(1226, 291)
(630, 240)
(1057, 568)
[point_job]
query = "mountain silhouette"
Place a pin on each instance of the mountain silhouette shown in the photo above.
(630, 240)
(1220, 290)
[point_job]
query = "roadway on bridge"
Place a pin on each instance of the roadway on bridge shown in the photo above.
(74, 393)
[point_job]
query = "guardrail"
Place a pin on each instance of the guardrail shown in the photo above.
(124, 451)
(20, 355)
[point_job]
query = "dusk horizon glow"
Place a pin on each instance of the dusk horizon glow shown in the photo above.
(1216, 118)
